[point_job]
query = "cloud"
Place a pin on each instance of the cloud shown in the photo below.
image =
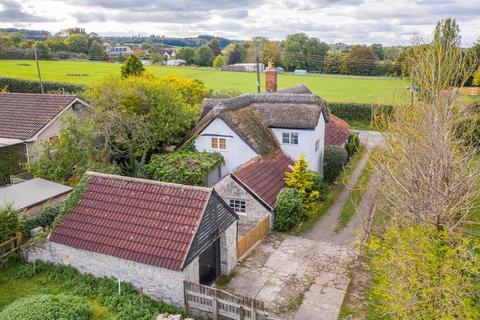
(12, 11)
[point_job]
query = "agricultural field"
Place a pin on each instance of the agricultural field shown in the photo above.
(333, 88)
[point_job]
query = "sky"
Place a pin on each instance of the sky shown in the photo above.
(390, 22)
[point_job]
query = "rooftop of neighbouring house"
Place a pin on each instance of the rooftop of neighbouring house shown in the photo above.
(264, 176)
(22, 115)
(27, 194)
(336, 131)
(145, 221)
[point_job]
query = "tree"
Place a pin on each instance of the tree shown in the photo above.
(377, 50)
(360, 60)
(9, 223)
(16, 37)
(56, 43)
(333, 162)
(235, 55)
(215, 47)
(77, 43)
(303, 180)
(132, 67)
(299, 51)
(271, 51)
(333, 63)
(65, 160)
(203, 56)
(96, 51)
(187, 54)
(43, 51)
(219, 62)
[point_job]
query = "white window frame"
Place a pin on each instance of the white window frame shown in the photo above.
(218, 143)
(317, 145)
(288, 138)
(238, 205)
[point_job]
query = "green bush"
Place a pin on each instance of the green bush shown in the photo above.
(183, 166)
(30, 86)
(8, 222)
(333, 162)
(130, 305)
(43, 219)
(47, 307)
(288, 209)
(359, 111)
(352, 145)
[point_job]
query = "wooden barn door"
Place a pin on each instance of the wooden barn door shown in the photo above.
(209, 264)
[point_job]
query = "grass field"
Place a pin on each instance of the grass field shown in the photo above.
(332, 88)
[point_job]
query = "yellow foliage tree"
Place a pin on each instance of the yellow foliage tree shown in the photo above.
(302, 179)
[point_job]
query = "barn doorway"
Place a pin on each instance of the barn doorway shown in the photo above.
(209, 264)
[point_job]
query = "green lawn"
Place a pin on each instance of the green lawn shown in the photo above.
(334, 88)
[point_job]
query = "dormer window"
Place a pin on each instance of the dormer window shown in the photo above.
(290, 138)
(219, 144)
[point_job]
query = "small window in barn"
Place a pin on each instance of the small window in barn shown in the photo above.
(238, 206)
(317, 145)
(219, 143)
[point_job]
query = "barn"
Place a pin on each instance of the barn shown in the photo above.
(152, 234)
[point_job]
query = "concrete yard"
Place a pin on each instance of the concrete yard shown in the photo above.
(289, 273)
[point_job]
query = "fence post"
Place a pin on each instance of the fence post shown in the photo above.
(185, 295)
(242, 313)
(254, 312)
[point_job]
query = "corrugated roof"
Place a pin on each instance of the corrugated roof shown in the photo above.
(336, 131)
(264, 176)
(22, 115)
(140, 220)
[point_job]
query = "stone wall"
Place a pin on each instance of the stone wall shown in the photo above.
(158, 283)
(228, 249)
(227, 188)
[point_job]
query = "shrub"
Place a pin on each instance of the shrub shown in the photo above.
(334, 160)
(288, 209)
(359, 111)
(352, 145)
(43, 219)
(30, 86)
(302, 179)
(47, 307)
(130, 305)
(8, 222)
(184, 166)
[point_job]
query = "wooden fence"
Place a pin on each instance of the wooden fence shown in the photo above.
(210, 303)
(249, 240)
(8, 247)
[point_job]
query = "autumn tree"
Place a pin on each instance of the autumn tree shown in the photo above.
(360, 60)
(271, 51)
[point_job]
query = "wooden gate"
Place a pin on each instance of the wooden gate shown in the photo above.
(8, 247)
(210, 303)
(249, 240)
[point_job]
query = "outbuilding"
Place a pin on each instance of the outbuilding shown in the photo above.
(152, 234)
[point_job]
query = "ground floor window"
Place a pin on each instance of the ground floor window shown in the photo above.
(237, 205)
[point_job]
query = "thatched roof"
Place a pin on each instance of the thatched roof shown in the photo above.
(301, 89)
(251, 115)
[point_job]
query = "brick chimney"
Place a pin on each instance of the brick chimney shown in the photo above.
(270, 77)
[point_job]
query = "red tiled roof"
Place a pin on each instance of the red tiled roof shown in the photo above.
(144, 221)
(22, 115)
(265, 175)
(336, 131)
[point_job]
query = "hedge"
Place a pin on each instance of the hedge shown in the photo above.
(31, 86)
(288, 209)
(359, 111)
(47, 307)
(333, 163)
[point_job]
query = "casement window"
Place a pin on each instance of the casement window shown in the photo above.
(237, 205)
(290, 137)
(219, 144)
(317, 145)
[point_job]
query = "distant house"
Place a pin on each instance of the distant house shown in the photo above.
(176, 62)
(30, 196)
(27, 120)
(244, 67)
(167, 53)
(152, 234)
(119, 50)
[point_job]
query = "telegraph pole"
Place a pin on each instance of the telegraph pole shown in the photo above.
(38, 70)
(258, 66)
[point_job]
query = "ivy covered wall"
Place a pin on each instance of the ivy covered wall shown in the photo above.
(12, 160)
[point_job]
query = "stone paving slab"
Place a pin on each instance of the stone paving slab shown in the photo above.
(288, 272)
